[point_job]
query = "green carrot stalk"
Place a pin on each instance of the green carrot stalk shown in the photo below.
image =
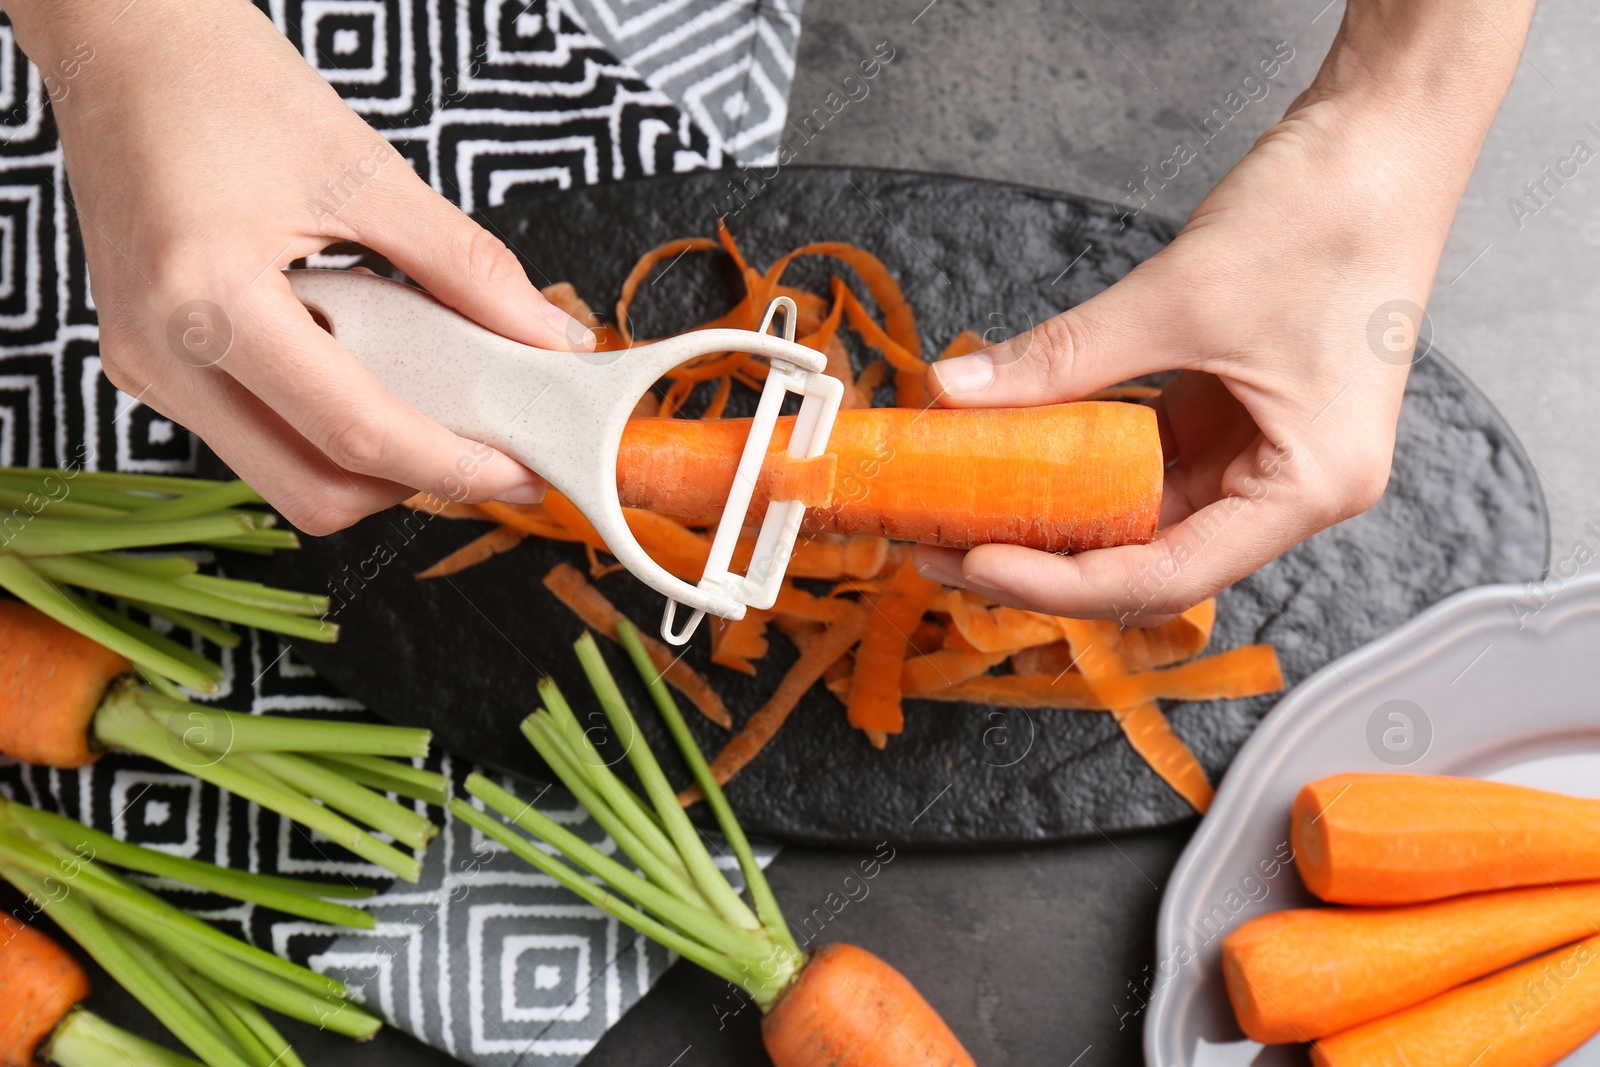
(755, 878)
(216, 730)
(271, 991)
(687, 947)
(288, 895)
(83, 1039)
(57, 537)
(160, 642)
(581, 754)
(150, 566)
(214, 632)
(693, 917)
(122, 723)
(201, 502)
(118, 481)
(388, 776)
(76, 522)
(713, 885)
(257, 595)
(73, 612)
(88, 574)
(200, 983)
(634, 835)
(129, 969)
(337, 792)
(225, 1007)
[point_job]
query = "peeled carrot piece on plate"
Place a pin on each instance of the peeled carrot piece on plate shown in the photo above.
(1305, 973)
(1403, 838)
(1530, 1015)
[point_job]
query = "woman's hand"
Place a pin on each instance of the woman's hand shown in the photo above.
(204, 156)
(1290, 303)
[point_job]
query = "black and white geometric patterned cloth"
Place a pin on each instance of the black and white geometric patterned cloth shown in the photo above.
(488, 101)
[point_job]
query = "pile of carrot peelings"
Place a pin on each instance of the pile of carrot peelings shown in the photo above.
(877, 632)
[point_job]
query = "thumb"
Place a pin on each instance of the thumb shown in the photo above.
(462, 264)
(1121, 333)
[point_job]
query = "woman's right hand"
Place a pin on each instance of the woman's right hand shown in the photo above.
(205, 155)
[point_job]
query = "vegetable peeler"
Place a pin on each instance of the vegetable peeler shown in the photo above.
(561, 414)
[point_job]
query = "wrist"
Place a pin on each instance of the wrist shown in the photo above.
(1443, 70)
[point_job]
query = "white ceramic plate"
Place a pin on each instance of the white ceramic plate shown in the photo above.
(1499, 682)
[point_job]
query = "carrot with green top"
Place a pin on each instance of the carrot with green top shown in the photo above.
(837, 1006)
(65, 699)
(205, 987)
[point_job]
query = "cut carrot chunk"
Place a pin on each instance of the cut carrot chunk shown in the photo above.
(875, 691)
(591, 605)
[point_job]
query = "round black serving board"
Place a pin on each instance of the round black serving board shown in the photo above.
(462, 655)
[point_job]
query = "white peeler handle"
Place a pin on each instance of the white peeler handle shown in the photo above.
(562, 414)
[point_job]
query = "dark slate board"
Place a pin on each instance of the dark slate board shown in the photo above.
(462, 656)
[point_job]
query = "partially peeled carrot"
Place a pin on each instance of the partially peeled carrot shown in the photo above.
(1306, 973)
(1063, 478)
(1404, 838)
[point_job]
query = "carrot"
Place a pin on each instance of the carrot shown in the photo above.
(1403, 838)
(1146, 728)
(498, 540)
(39, 984)
(591, 605)
(851, 1009)
(837, 1006)
(1309, 972)
(1069, 477)
(1530, 1015)
(875, 693)
(52, 680)
(763, 726)
(944, 668)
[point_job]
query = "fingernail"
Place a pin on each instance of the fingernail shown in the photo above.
(987, 591)
(937, 572)
(526, 493)
(965, 374)
(577, 334)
